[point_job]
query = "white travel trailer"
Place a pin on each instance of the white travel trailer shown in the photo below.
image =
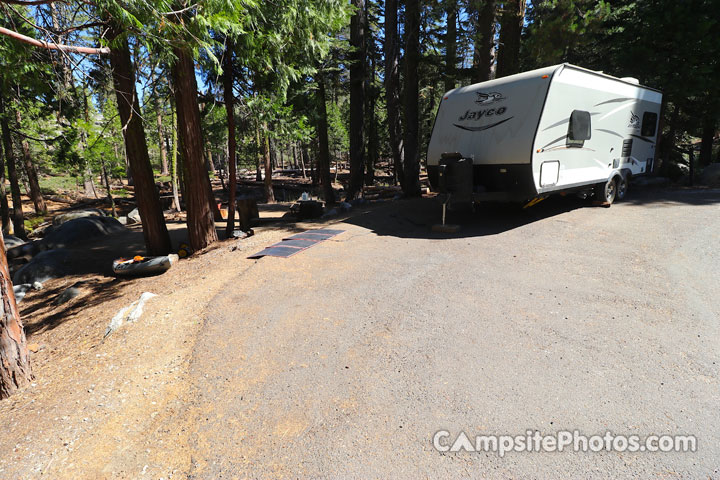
(557, 129)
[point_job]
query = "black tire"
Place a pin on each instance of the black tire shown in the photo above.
(622, 187)
(606, 192)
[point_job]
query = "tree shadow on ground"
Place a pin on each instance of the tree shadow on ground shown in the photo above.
(41, 312)
(414, 218)
(88, 268)
(673, 195)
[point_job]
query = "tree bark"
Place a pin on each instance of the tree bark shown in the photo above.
(412, 61)
(272, 148)
(267, 161)
(667, 142)
(128, 170)
(107, 186)
(157, 239)
(18, 219)
(227, 80)
(259, 157)
(210, 162)
(88, 183)
(392, 88)
(4, 208)
(484, 40)
(511, 24)
(65, 95)
(174, 164)
(371, 99)
(200, 223)
(451, 46)
(357, 100)
(323, 143)
(164, 170)
(31, 172)
(302, 156)
(313, 167)
(708, 135)
(15, 371)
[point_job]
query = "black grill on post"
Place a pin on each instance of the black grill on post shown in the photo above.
(455, 179)
(455, 176)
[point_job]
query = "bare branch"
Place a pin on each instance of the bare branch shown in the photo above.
(178, 12)
(29, 2)
(54, 46)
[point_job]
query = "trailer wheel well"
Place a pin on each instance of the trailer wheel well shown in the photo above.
(626, 173)
(622, 179)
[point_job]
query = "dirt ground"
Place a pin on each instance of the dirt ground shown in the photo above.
(98, 405)
(210, 360)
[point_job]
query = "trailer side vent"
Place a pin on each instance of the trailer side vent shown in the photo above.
(627, 148)
(579, 128)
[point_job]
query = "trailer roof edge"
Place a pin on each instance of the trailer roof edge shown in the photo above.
(605, 75)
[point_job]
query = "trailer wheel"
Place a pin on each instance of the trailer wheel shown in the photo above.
(606, 192)
(622, 187)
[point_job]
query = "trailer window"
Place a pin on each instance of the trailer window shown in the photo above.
(579, 128)
(648, 124)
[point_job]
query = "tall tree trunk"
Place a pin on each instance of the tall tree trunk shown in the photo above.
(88, 183)
(667, 142)
(273, 150)
(128, 170)
(214, 207)
(708, 135)
(17, 216)
(511, 24)
(323, 143)
(451, 10)
(157, 239)
(484, 40)
(259, 157)
(267, 161)
(227, 80)
(164, 170)
(372, 133)
(107, 186)
(313, 167)
(302, 156)
(31, 172)
(392, 88)
(65, 95)
(15, 371)
(4, 208)
(174, 164)
(200, 222)
(412, 60)
(357, 100)
(210, 162)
